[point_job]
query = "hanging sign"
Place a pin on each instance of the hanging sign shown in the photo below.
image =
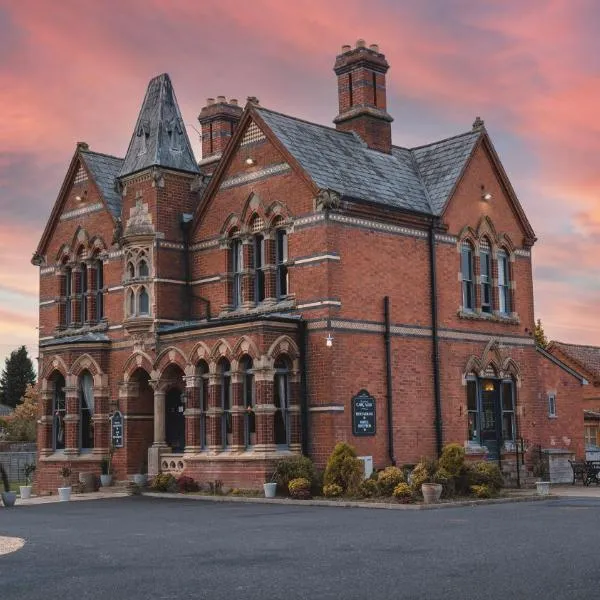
(116, 429)
(363, 414)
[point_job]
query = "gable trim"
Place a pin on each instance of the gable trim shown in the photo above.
(562, 365)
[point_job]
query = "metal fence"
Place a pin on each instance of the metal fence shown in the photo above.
(14, 464)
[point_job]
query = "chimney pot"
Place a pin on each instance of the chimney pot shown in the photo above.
(210, 101)
(221, 99)
(252, 100)
(233, 101)
(361, 44)
(346, 48)
(82, 146)
(374, 47)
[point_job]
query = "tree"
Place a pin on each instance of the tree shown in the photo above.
(22, 426)
(539, 335)
(18, 373)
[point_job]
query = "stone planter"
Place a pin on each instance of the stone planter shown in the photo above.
(270, 489)
(543, 488)
(25, 492)
(431, 492)
(140, 479)
(9, 498)
(105, 480)
(88, 481)
(64, 494)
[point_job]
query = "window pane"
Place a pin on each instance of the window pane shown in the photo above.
(508, 426)
(507, 398)
(143, 268)
(471, 395)
(144, 302)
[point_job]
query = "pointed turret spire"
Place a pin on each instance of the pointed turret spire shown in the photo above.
(159, 138)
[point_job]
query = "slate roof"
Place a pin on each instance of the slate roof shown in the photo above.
(587, 356)
(159, 137)
(74, 339)
(105, 170)
(419, 180)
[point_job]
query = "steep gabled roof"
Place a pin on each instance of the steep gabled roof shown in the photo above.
(159, 138)
(105, 169)
(565, 367)
(587, 357)
(418, 180)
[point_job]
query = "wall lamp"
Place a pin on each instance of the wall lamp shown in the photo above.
(249, 161)
(329, 341)
(487, 196)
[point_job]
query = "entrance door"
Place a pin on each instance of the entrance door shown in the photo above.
(490, 422)
(175, 420)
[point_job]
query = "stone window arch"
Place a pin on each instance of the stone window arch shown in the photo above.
(130, 270)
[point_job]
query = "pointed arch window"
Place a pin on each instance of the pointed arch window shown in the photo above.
(281, 397)
(236, 262)
(485, 263)
(468, 291)
(68, 295)
(99, 271)
(131, 303)
(225, 380)
(248, 397)
(281, 258)
(86, 410)
(130, 271)
(504, 306)
(82, 294)
(144, 302)
(143, 270)
(59, 411)
(202, 374)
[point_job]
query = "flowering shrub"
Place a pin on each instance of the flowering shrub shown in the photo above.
(294, 467)
(187, 484)
(388, 479)
(452, 459)
(481, 491)
(333, 490)
(369, 488)
(403, 492)
(344, 469)
(486, 473)
(299, 488)
(422, 473)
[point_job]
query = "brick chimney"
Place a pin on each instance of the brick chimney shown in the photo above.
(218, 119)
(362, 95)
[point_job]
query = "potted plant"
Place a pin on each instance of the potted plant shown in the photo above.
(25, 490)
(8, 497)
(270, 487)
(106, 469)
(64, 492)
(423, 478)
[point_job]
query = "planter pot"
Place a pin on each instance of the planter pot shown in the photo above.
(105, 480)
(270, 489)
(140, 479)
(9, 498)
(543, 488)
(25, 492)
(87, 481)
(431, 492)
(64, 493)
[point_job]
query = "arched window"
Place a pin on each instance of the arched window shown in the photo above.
(144, 302)
(281, 396)
(99, 269)
(130, 271)
(281, 257)
(68, 295)
(466, 262)
(86, 410)
(225, 380)
(130, 303)
(202, 373)
(248, 398)
(59, 411)
(83, 288)
(504, 306)
(143, 270)
(237, 263)
(485, 263)
(258, 243)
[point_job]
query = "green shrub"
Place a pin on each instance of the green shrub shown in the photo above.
(447, 480)
(164, 482)
(368, 488)
(333, 490)
(486, 473)
(344, 469)
(481, 491)
(294, 467)
(403, 492)
(187, 484)
(423, 473)
(299, 488)
(317, 483)
(388, 479)
(452, 459)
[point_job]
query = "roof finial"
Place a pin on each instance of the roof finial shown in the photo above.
(478, 124)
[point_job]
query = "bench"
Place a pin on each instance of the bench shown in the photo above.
(586, 470)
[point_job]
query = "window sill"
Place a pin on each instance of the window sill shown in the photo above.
(63, 331)
(473, 315)
(264, 307)
(553, 416)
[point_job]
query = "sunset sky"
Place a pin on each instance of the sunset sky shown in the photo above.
(77, 70)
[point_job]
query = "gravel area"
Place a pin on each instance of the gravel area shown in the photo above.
(10, 544)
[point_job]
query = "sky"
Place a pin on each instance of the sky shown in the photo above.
(77, 70)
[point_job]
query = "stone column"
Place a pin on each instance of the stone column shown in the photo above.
(101, 421)
(72, 417)
(214, 414)
(264, 410)
(159, 419)
(238, 413)
(192, 414)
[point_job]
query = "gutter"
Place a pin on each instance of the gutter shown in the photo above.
(303, 335)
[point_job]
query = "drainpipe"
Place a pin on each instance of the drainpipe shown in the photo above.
(388, 377)
(303, 330)
(185, 229)
(436, 347)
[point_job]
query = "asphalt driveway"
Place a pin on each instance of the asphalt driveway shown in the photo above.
(165, 549)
